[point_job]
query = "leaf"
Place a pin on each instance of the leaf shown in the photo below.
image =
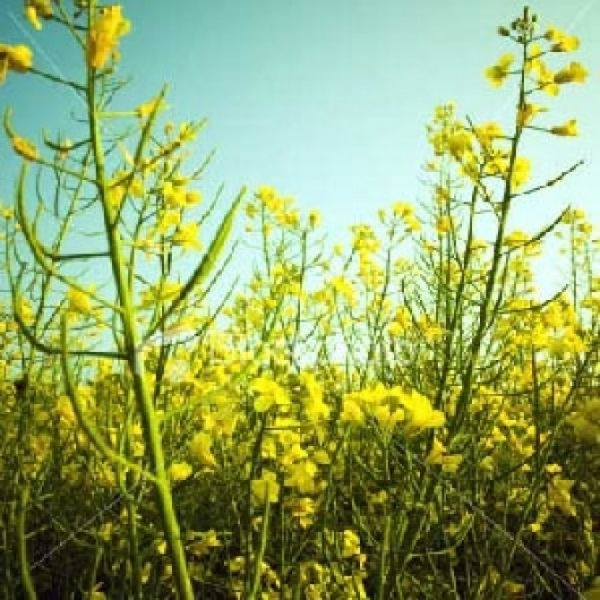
(208, 262)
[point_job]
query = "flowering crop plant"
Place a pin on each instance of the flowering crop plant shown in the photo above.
(405, 418)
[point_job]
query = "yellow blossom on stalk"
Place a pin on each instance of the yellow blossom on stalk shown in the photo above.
(144, 110)
(314, 219)
(421, 414)
(499, 72)
(202, 542)
(528, 112)
(174, 194)
(387, 417)
(192, 198)
(412, 224)
(34, 9)
(568, 129)
(516, 239)
(460, 143)
(586, 422)
(79, 302)
(168, 219)
(269, 393)
(496, 163)
(265, 489)
(103, 36)
(562, 42)
(136, 188)
(162, 292)
(200, 449)
(32, 17)
(487, 133)
(301, 476)
(521, 172)
(314, 407)
(25, 310)
(574, 73)
(115, 195)
(350, 543)
(403, 210)
(187, 237)
(344, 288)
(559, 495)
(24, 148)
(532, 62)
(443, 225)
(302, 509)
(64, 409)
(351, 410)
(180, 471)
(14, 58)
(545, 80)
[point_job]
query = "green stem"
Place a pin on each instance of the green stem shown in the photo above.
(259, 555)
(384, 551)
(141, 391)
(26, 580)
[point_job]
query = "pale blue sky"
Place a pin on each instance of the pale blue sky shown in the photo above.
(327, 100)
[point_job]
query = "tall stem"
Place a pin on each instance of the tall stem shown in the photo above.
(143, 398)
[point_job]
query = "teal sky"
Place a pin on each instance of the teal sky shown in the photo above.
(327, 100)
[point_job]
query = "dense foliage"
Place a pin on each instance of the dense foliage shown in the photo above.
(407, 417)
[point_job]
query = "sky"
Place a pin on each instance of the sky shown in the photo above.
(326, 100)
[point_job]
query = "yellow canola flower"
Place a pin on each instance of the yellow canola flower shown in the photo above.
(144, 110)
(20, 58)
(460, 143)
(532, 61)
(64, 409)
(14, 58)
(387, 417)
(488, 132)
(351, 410)
(24, 148)
(168, 219)
(343, 287)
(421, 414)
(521, 172)
(314, 219)
(103, 36)
(528, 112)
(32, 16)
(568, 129)
(202, 542)
(586, 422)
(315, 408)
(187, 237)
(79, 302)
(302, 509)
(498, 73)
(443, 225)
(562, 42)
(265, 489)
(390, 407)
(200, 449)
(559, 495)
(301, 476)
(34, 9)
(269, 394)
(350, 544)
(180, 471)
(574, 73)
(25, 311)
(545, 79)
